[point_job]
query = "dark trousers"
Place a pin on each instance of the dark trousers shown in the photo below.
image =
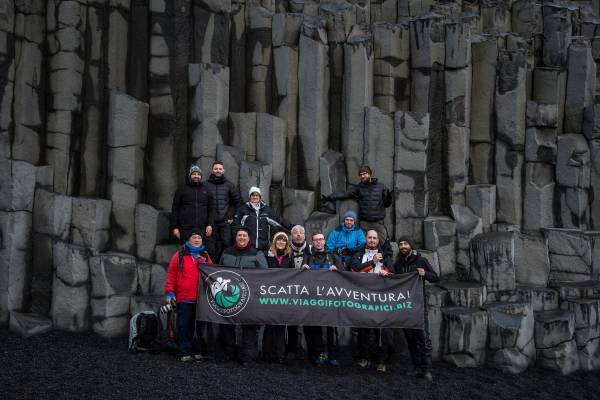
(315, 344)
(419, 345)
(186, 326)
(375, 344)
(222, 237)
(292, 340)
(248, 349)
(274, 342)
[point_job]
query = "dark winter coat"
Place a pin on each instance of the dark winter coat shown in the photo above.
(193, 207)
(272, 261)
(227, 197)
(357, 265)
(410, 264)
(322, 260)
(373, 198)
(249, 258)
(298, 254)
(262, 224)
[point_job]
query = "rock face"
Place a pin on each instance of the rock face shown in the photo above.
(493, 261)
(464, 336)
(482, 117)
(511, 336)
(556, 347)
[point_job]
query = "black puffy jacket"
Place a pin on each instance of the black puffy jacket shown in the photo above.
(193, 207)
(227, 197)
(410, 264)
(262, 223)
(373, 198)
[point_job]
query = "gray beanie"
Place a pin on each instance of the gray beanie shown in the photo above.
(194, 168)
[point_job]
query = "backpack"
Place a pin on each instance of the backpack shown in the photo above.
(144, 328)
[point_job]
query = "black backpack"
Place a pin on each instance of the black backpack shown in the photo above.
(144, 329)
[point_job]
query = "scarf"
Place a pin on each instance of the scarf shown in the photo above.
(298, 247)
(238, 248)
(194, 251)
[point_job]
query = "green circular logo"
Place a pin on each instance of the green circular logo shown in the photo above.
(230, 298)
(227, 292)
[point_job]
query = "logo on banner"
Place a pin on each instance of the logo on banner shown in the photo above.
(227, 292)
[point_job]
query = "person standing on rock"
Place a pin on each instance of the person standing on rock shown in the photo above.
(346, 239)
(241, 255)
(181, 288)
(260, 220)
(373, 259)
(419, 341)
(320, 353)
(373, 198)
(227, 200)
(193, 207)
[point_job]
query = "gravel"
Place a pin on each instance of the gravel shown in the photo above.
(64, 365)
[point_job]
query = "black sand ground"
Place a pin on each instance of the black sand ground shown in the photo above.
(59, 365)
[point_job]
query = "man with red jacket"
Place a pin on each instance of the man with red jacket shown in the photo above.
(181, 287)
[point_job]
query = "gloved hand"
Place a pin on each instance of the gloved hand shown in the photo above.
(339, 252)
(325, 199)
(345, 251)
(171, 298)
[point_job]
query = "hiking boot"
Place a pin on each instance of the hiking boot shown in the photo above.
(364, 363)
(332, 362)
(381, 368)
(186, 359)
(321, 360)
(200, 357)
(427, 376)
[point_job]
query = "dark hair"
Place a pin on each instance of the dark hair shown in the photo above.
(317, 233)
(217, 162)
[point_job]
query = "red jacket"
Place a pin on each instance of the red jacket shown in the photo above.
(184, 283)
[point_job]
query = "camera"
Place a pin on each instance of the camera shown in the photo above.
(165, 308)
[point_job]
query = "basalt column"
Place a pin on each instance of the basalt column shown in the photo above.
(66, 24)
(28, 102)
(167, 152)
(313, 102)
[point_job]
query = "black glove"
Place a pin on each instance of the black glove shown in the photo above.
(345, 251)
(339, 252)
(325, 199)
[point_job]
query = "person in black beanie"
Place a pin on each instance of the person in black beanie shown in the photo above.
(193, 207)
(419, 341)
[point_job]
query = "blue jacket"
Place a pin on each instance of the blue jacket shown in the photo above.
(340, 238)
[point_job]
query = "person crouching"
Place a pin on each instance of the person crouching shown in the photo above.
(278, 256)
(181, 288)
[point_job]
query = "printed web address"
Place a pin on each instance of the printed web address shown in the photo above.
(333, 303)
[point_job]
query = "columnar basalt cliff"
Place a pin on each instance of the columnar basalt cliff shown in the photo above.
(481, 115)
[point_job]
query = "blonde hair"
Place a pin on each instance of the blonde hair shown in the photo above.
(287, 251)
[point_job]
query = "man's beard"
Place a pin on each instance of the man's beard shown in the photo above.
(405, 251)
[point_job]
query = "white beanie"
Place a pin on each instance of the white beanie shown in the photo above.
(254, 189)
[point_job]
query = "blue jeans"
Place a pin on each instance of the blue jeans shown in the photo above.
(186, 326)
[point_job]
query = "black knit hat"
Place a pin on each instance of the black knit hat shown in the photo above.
(408, 239)
(196, 231)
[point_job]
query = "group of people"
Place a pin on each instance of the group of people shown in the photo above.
(213, 223)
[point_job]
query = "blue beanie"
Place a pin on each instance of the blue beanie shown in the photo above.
(350, 214)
